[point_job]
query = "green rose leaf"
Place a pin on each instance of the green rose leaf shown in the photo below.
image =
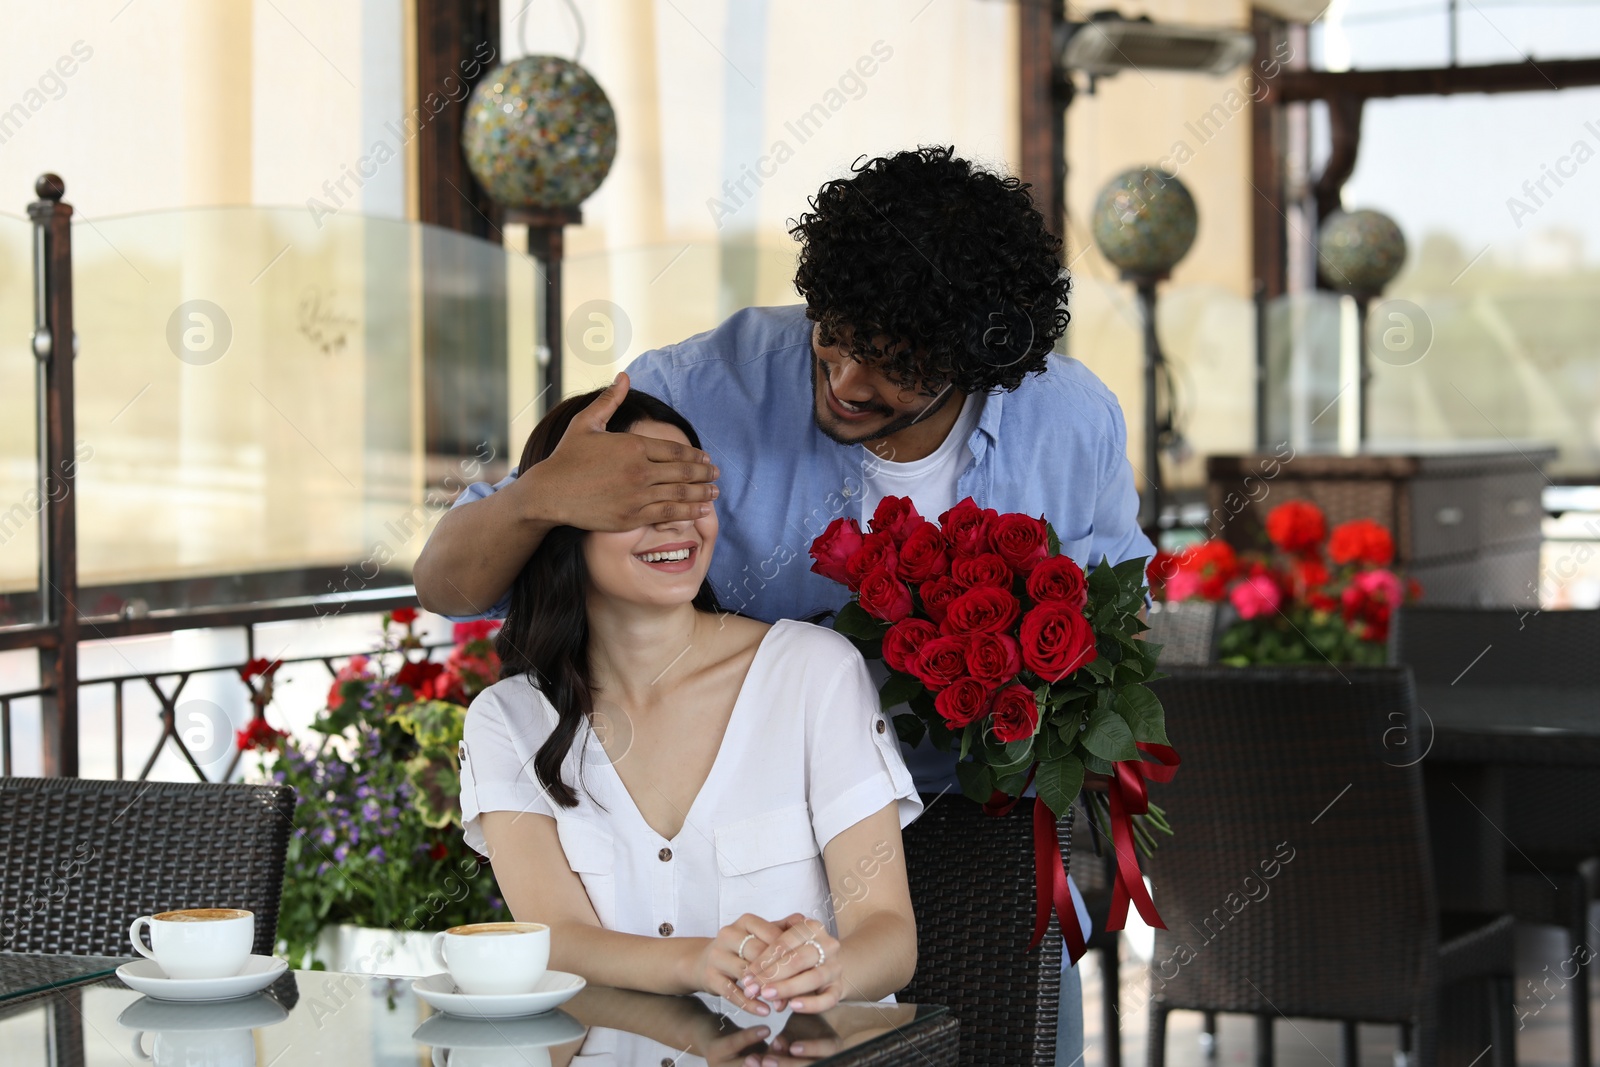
(977, 780)
(854, 622)
(1142, 711)
(898, 689)
(909, 729)
(1058, 782)
(1108, 736)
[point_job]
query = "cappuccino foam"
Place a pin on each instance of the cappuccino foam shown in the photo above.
(201, 915)
(490, 929)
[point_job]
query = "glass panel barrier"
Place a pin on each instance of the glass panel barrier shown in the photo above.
(273, 405)
(19, 435)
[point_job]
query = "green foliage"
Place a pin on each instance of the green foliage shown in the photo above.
(1299, 635)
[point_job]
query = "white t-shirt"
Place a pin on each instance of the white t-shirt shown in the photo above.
(806, 754)
(930, 482)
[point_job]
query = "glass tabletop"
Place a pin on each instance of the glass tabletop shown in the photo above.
(22, 973)
(359, 1020)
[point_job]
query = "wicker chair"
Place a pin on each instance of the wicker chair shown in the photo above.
(1186, 630)
(1300, 882)
(1554, 864)
(80, 859)
(972, 885)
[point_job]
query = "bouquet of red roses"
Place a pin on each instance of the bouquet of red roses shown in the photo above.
(1006, 652)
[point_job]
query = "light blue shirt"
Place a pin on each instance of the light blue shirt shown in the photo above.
(1055, 446)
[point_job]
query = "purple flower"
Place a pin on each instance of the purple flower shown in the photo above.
(322, 869)
(341, 853)
(327, 837)
(377, 853)
(370, 811)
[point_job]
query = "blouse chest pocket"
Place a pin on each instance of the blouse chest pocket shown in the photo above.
(592, 856)
(770, 866)
(1077, 546)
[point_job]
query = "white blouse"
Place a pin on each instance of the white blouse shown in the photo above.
(806, 754)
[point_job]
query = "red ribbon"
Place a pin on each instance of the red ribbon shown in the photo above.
(1129, 797)
(1049, 872)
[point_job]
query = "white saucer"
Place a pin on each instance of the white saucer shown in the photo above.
(247, 1013)
(147, 977)
(539, 1031)
(556, 987)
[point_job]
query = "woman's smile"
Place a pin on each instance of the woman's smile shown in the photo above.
(674, 557)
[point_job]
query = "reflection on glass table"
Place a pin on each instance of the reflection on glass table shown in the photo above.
(356, 1020)
(22, 973)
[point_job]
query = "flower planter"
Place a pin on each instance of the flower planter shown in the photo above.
(367, 950)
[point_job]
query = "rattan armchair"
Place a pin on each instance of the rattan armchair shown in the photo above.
(972, 886)
(80, 859)
(1552, 813)
(1299, 881)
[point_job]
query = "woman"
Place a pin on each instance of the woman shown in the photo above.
(693, 801)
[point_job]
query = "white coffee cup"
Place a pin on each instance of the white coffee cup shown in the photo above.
(197, 942)
(214, 1048)
(494, 958)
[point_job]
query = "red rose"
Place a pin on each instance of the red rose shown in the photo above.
(877, 552)
(833, 547)
(981, 610)
(1059, 579)
(1021, 540)
(1297, 526)
(1014, 714)
(1162, 566)
(937, 595)
(904, 642)
(966, 527)
(1361, 541)
(965, 701)
(984, 569)
(922, 555)
(404, 616)
(896, 516)
(883, 596)
(994, 659)
(1056, 640)
(941, 661)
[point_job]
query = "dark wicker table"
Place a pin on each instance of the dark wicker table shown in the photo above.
(354, 1020)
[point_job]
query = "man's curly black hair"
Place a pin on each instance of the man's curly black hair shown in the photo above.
(952, 265)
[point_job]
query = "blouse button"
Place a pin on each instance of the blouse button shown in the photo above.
(667, 1061)
(880, 727)
(664, 855)
(665, 929)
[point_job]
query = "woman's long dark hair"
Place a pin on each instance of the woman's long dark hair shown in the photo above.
(546, 633)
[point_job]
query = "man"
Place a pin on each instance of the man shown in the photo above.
(919, 366)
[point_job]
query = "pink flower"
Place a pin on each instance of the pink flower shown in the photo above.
(1183, 584)
(1256, 595)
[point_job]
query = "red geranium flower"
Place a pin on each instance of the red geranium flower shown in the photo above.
(1203, 570)
(1361, 541)
(404, 616)
(478, 630)
(836, 545)
(1297, 526)
(1014, 713)
(258, 735)
(358, 669)
(438, 851)
(263, 668)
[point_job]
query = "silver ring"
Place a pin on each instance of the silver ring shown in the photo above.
(742, 944)
(822, 957)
